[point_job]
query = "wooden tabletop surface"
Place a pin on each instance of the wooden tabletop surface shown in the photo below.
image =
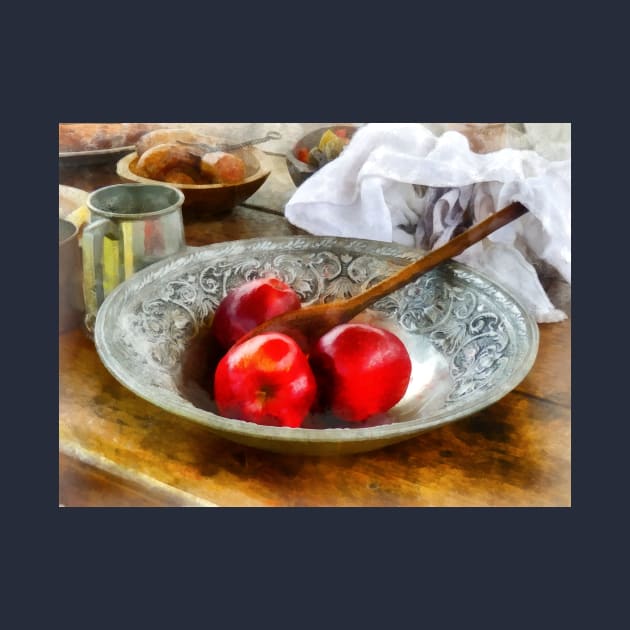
(118, 450)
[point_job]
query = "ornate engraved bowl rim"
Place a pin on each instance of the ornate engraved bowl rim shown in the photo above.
(175, 403)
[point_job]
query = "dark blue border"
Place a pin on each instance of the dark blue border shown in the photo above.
(502, 568)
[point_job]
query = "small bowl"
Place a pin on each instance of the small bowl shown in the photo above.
(300, 171)
(210, 198)
(71, 304)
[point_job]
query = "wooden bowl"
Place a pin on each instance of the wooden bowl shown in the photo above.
(300, 171)
(210, 198)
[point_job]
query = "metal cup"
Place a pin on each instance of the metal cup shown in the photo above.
(131, 226)
(71, 307)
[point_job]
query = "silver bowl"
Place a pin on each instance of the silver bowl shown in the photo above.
(470, 340)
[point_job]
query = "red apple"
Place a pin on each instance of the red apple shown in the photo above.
(266, 379)
(250, 304)
(361, 370)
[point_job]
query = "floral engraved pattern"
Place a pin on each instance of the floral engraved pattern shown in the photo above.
(461, 323)
(481, 331)
(188, 301)
(477, 348)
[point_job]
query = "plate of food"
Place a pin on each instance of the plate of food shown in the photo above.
(214, 175)
(469, 343)
(96, 143)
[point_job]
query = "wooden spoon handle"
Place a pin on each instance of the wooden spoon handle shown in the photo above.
(454, 247)
(309, 323)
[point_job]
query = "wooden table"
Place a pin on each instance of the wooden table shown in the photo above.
(118, 450)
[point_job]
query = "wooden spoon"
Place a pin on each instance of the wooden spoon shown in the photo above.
(307, 324)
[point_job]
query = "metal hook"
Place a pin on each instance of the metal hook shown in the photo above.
(272, 135)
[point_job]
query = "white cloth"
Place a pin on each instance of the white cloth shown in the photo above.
(400, 183)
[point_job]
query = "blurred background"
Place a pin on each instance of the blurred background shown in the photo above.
(551, 140)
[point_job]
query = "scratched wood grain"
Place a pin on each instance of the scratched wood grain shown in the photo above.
(515, 453)
(86, 485)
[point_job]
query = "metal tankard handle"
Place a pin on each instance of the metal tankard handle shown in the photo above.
(103, 250)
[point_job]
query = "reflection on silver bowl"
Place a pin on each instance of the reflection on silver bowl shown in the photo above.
(470, 341)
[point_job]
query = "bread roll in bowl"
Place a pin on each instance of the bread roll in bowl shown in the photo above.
(222, 168)
(158, 160)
